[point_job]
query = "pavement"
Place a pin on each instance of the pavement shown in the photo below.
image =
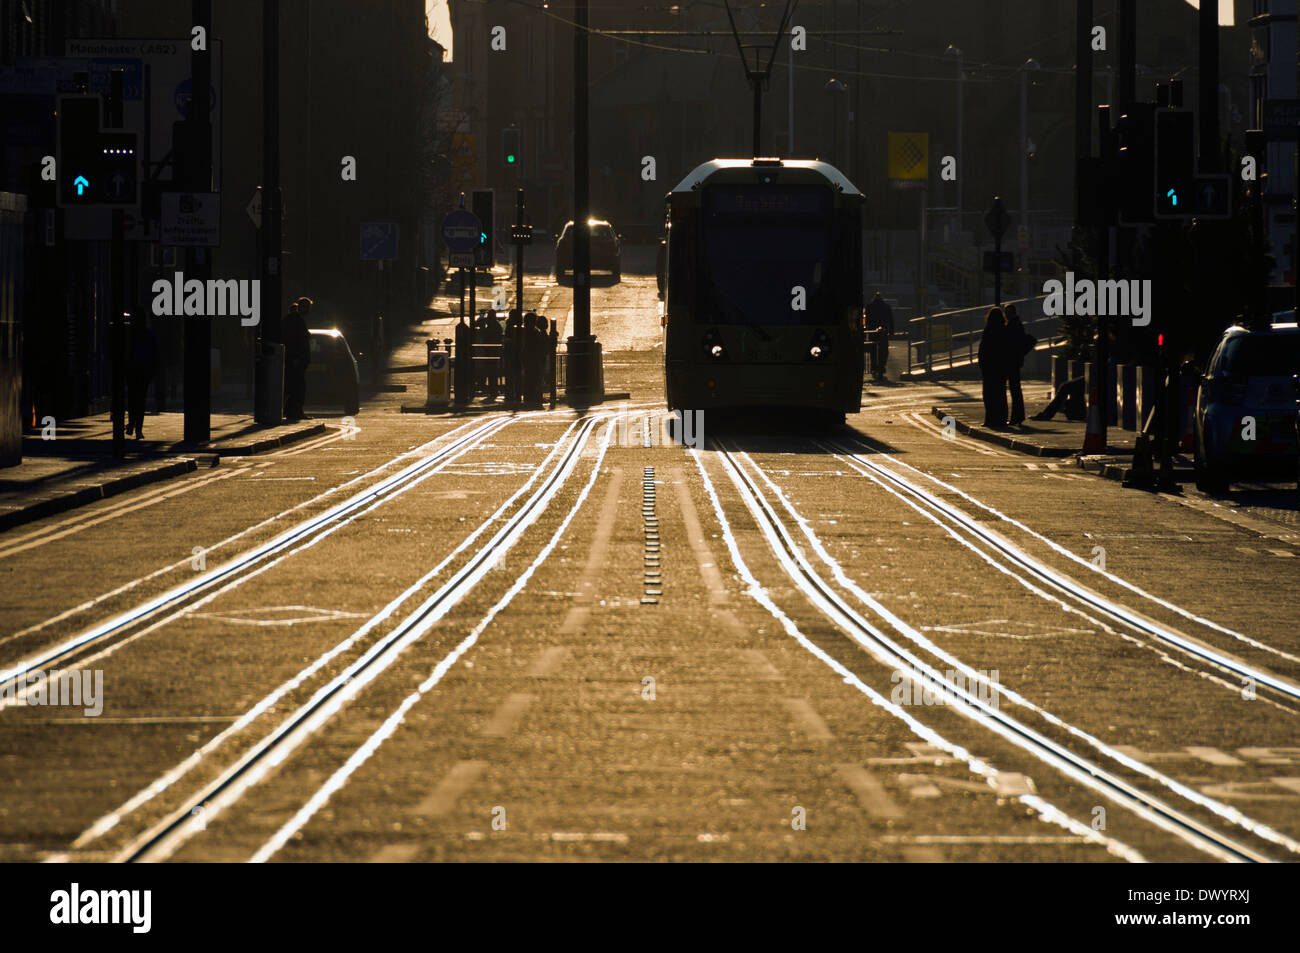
(1059, 438)
(75, 467)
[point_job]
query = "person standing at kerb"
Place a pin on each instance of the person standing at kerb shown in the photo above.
(297, 355)
(993, 368)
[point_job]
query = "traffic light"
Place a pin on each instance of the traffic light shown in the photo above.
(93, 167)
(1175, 164)
(1136, 132)
(510, 147)
(481, 204)
(76, 150)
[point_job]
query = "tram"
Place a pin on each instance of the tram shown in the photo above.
(763, 288)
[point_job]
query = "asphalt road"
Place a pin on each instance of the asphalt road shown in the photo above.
(550, 635)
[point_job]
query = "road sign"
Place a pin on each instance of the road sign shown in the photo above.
(378, 241)
(1280, 119)
(438, 378)
(191, 219)
(460, 231)
(169, 62)
(1212, 196)
(998, 261)
(909, 155)
(254, 208)
(997, 219)
(462, 259)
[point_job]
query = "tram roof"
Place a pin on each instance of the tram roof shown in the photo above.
(697, 176)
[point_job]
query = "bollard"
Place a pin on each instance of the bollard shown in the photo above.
(1060, 372)
(1126, 376)
(1109, 390)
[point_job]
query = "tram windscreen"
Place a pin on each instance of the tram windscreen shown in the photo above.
(761, 242)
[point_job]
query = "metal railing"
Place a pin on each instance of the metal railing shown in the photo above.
(950, 339)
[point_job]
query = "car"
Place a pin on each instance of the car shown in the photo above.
(661, 267)
(1245, 423)
(606, 249)
(332, 376)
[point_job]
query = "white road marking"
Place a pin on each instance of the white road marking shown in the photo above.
(441, 801)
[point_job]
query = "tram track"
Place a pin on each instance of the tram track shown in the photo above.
(107, 636)
(749, 481)
(1038, 572)
(257, 761)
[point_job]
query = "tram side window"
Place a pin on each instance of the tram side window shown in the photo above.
(683, 252)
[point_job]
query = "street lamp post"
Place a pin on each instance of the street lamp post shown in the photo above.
(1031, 65)
(835, 86)
(961, 89)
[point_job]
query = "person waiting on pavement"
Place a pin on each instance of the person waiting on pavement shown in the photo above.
(993, 368)
(514, 354)
(880, 319)
(531, 340)
(297, 355)
(492, 334)
(1019, 343)
(140, 368)
(1068, 398)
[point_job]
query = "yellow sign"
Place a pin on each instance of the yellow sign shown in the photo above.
(464, 160)
(909, 155)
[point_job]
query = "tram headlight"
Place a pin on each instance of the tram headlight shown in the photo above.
(820, 347)
(713, 345)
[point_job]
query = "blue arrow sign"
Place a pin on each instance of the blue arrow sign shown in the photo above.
(81, 182)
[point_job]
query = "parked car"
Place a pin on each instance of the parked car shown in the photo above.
(332, 376)
(661, 267)
(606, 249)
(1245, 422)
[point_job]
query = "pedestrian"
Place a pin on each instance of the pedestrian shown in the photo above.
(493, 334)
(880, 319)
(529, 382)
(1019, 343)
(297, 355)
(992, 361)
(514, 355)
(1068, 398)
(140, 369)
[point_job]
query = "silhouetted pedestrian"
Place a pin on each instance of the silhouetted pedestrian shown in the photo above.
(1068, 398)
(1018, 345)
(879, 318)
(297, 355)
(492, 334)
(993, 368)
(140, 368)
(514, 355)
(530, 348)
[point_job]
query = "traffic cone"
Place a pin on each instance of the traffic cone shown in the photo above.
(1093, 442)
